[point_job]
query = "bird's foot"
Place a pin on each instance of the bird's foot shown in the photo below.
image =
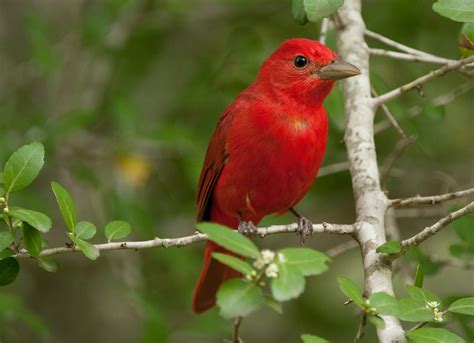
(247, 228)
(305, 229)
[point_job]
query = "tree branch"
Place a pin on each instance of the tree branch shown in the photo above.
(390, 116)
(370, 201)
(410, 57)
(421, 80)
(187, 240)
(435, 228)
(430, 200)
(324, 30)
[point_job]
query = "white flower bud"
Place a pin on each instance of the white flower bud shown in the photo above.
(272, 270)
(267, 256)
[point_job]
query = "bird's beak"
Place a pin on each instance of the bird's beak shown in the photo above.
(337, 70)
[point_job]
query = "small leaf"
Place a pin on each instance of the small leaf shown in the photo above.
(85, 230)
(9, 269)
(466, 40)
(289, 284)
(308, 261)
(229, 239)
(233, 262)
(6, 239)
(457, 10)
(23, 167)
(421, 295)
(390, 247)
(384, 303)
(237, 297)
(318, 9)
(88, 249)
(273, 304)
(32, 239)
(419, 276)
(377, 321)
(463, 306)
(48, 264)
(66, 205)
(433, 335)
(37, 220)
(414, 311)
(117, 229)
(313, 339)
(298, 11)
(350, 289)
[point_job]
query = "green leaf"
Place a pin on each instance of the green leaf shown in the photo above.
(48, 264)
(384, 303)
(421, 295)
(308, 261)
(66, 205)
(38, 220)
(117, 229)
(289, 284)
(376, 321)
(419, 277)
(298, 11)
(463, 306)
(313, 339)
(414, 311)
(462, 251)
(9, 269)
(237, 298)
(390, 247)
(273, 304)
(1, 177)
(466, 41)
(5, 253)
(233, 262)
(229, 239)
(6, 239)
(23, 167)
(32, 239)
(88, 249)
(351, 290)
(85, 230)
(319, 9)
(457, 10)
(433, 335)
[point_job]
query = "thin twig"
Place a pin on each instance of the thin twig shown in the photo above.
(333, 168)
(390, 116)
(430, 200)
(237, 324)
(341, 248)
(393, 94)
(187, 240)
(396, 45)
(434, 229)
(324, 30)
(410, 57)
(360, 329)
(440, 100)
(393, 157)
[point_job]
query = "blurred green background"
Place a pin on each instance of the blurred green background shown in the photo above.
(124, 94)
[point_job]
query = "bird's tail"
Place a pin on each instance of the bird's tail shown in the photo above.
(213, 274)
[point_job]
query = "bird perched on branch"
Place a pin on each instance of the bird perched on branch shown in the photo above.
(266, 149)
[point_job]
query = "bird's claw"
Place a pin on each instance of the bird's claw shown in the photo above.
(247, 228)
(305, 229)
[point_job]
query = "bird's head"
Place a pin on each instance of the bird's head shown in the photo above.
(304, 69)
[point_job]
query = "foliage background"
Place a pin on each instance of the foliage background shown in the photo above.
(125, 94)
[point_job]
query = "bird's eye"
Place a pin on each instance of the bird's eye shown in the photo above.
(300, 61)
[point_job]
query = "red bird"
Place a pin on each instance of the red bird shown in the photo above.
(266, 149)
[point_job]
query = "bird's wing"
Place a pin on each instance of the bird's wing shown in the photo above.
(216, 158)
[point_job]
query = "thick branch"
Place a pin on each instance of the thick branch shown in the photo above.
(422, 80)
(187, 240)
(435, 228)
(430, 200)
(370, 201)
